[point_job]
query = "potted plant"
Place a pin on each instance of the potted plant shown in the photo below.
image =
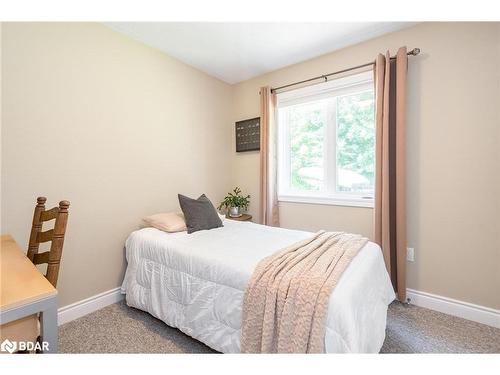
(235, 203)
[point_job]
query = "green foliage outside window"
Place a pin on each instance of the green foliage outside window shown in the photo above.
(306, 143)
(354, 147)
(355, 134)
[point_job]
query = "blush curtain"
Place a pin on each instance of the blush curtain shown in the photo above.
(269, 212)
(390, 165)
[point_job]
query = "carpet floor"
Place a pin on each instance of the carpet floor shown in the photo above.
(410, 329)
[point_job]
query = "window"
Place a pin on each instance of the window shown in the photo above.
(326, 142)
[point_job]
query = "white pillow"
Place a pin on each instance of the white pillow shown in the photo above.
(168, 222)
(222, 217)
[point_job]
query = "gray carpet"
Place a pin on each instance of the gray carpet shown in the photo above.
(410, 329)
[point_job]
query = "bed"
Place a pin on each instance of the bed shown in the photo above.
(196, 282)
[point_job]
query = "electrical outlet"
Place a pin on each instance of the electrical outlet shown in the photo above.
(410, 254)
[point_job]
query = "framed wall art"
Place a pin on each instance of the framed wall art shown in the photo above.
(248, 135)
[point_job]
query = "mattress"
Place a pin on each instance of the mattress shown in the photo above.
(196, 282)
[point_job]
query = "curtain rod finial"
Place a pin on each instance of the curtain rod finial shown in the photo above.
(415, 51)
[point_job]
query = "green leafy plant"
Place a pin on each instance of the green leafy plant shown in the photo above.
(235, 199)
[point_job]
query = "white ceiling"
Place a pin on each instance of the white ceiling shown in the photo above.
(234, 52)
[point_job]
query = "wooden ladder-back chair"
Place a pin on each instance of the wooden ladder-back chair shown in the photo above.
(26, 329)
(55, 235)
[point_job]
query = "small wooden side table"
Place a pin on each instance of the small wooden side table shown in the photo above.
(243, 217)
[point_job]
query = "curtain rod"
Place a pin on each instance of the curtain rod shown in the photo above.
(413, 52)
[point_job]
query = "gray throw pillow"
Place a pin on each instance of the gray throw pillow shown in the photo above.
(199, 213)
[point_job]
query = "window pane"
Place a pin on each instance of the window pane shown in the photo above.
(307, 124)
(355, 143)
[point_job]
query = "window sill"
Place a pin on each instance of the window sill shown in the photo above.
(366, 203)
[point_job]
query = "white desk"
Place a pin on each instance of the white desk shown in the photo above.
(25, 291)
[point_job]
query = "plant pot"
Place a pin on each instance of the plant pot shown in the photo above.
(235, 212)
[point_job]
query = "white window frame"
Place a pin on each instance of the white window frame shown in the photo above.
(339, 87)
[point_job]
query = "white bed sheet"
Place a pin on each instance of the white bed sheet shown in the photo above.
(196, 283)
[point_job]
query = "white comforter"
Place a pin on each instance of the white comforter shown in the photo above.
(196, 282)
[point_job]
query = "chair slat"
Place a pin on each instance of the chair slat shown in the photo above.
(45, 236)
(41, 258)
(49, 214)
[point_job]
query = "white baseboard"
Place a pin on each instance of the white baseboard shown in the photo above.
(476, 313)
(78, 309)
(450, 306)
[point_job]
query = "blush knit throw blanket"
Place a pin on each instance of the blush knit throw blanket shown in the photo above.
(286, 301)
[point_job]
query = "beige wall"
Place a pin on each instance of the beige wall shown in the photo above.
(453, 155)
(115, 127)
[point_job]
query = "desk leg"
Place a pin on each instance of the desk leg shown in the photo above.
(49, 326)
